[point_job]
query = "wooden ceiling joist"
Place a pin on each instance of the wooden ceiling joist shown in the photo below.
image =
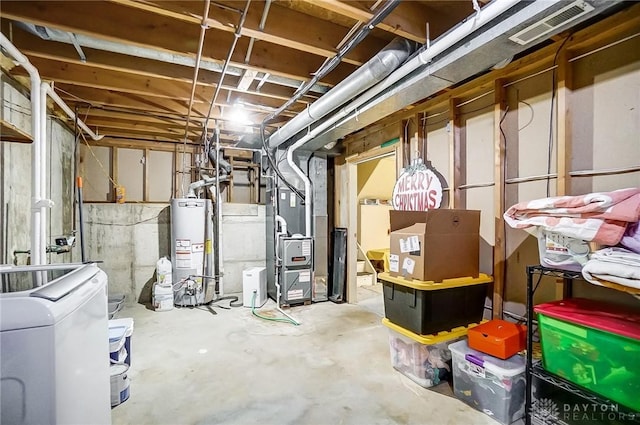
(140, 28)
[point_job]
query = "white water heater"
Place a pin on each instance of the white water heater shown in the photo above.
(192, 251)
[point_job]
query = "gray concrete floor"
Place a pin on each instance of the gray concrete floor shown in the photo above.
(189, 366)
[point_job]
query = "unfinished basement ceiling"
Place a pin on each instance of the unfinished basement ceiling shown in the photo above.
(128, 66)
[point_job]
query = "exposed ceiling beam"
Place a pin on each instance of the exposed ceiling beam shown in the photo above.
(50, 50)
(139, 28)
(175, 92)
(284, 27)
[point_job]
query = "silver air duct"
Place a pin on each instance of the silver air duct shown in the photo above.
(372, 72)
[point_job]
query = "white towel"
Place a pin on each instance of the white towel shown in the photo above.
(617, 265)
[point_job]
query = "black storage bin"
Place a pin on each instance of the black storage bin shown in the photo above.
(428, 308)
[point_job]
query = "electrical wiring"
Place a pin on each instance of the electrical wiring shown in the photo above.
(532, 115)
(272, 319)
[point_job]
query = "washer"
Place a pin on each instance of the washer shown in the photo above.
(54, 346)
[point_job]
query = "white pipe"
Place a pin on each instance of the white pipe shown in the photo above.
(283, 224)
(43, 202)
(35, 148)
(491, 11)
(53, 95)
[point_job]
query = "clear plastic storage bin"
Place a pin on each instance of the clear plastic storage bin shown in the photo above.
(425, 359)
(488, 384)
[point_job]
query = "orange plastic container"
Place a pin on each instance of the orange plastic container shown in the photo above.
(498, 338)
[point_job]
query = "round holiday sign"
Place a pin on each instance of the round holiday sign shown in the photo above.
(417, 190)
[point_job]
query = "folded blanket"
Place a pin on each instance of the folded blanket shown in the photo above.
(633, 291)
(598, 217)
(617, 265)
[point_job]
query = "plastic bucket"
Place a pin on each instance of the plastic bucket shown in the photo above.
(127, 323)
(119, 383)
(117, 351)
(162, 298)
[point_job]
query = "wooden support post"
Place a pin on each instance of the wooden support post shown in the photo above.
(499, 254)
(564, 136)
(564, 79)
(455, 156)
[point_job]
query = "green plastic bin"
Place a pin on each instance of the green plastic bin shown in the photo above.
(595, 345)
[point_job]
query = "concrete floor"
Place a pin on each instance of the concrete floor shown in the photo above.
(189, 366)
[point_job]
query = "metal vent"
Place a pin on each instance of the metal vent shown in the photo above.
(551, 22)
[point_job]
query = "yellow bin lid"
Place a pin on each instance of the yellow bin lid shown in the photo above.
(433, 339)
(434, 286)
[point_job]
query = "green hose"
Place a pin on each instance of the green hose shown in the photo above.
(273, 319)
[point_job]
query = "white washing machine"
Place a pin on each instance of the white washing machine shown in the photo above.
(54, 347)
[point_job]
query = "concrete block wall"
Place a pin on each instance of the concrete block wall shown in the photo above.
(130, 238)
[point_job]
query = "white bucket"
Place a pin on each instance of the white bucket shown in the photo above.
(127, 323)
(162, 298)
(119, 384)
(164, 272)
(117, 350)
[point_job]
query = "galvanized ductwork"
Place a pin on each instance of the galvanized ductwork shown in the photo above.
(369, 74)
(435, 69)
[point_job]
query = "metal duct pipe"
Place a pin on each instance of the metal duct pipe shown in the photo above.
(89, 42)
(386, 95)
(372, 72)
(330, 64)
(220, 162)
(487, 14)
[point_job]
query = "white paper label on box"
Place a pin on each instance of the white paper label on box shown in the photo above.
(408, 265)
(294, 294)
(304, 276)
(394, 263)
(197, 247)
(292, 200)
(283, 196)
(306, 248)
(404, 246)
(414, 243)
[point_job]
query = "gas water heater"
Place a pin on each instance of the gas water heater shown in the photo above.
(192, 251)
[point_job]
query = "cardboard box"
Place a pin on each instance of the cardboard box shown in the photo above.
(435, 245)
